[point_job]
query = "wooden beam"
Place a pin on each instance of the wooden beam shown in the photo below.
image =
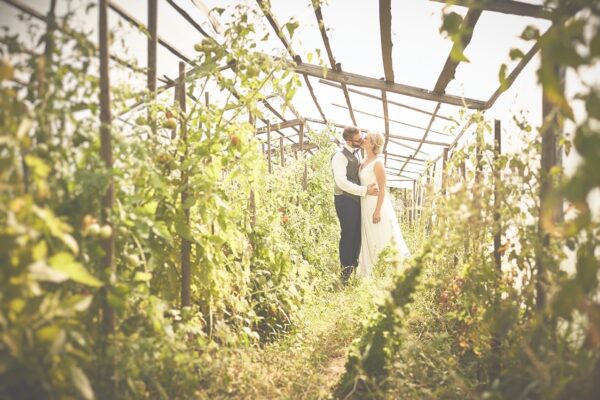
(281, 152)
(68, 31)
(510, 79)
(372, 96)
(332, 62)
(399, 143)
(393, 120)
(424, 135)
(269, 166)
(420, 141)
(469, 122)
(188, 18)
(409, 158)
(497, 202)
(385, 31)
(152, 52)
(276, 113)
(305, 146)
(128, 17)
(186, 245)
(451, 64)
(364, 81)
(275, 25)
(548, 214)
(386, 119)
(392, 136)
(505, 7)
(444, 172)
(281, 125)
(108, 244)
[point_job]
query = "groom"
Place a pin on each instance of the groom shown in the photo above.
(345, 163)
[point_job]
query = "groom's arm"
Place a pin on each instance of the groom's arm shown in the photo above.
(339, 164)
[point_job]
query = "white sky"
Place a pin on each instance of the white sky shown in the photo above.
(419, 54)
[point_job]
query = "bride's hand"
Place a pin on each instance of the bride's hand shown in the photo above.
(376, 217)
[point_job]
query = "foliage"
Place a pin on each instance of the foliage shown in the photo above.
(248, 278)
(476, 331)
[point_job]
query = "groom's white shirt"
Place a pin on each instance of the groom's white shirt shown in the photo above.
(339, 162)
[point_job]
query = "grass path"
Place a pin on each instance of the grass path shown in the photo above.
(307, 363)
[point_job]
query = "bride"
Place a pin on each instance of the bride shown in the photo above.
(379, 225)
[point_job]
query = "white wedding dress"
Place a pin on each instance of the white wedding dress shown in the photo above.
(376, 237)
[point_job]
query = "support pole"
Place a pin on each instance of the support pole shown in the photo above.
(444, 172)
(551, 128)
(414, 203)
(108, 244)
(270, 167)
(281, 152)
(301, 133)
(152, 58)
(497, 183)
(186, 293)
(305, 177)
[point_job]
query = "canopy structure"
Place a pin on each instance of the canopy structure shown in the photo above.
(386, 66)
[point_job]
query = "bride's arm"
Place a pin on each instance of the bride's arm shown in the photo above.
(379, 170)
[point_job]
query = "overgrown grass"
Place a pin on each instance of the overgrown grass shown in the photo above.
(309, 361)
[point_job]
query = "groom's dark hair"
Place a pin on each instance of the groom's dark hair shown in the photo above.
(349, 132)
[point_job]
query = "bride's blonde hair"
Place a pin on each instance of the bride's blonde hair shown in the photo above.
(378, 140)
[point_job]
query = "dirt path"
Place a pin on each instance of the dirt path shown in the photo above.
(308, 363)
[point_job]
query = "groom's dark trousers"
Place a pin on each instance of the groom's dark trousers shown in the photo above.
(348, 212)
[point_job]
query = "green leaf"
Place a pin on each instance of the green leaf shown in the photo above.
(142, 276)
(82, 383)
(65, 263)
(48, 333)
(451, 23)
(530, 33)
(41, 272)
(39, 251)
(516, 54)
(457, 54)
(502, 77)
(291, 27)
(183, 229)
(37, 166)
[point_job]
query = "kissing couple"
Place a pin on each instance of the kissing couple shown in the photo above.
(367, 218)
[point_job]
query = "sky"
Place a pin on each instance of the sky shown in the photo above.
(419, 53)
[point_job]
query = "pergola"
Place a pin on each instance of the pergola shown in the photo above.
(405, 158)
(411, 166)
